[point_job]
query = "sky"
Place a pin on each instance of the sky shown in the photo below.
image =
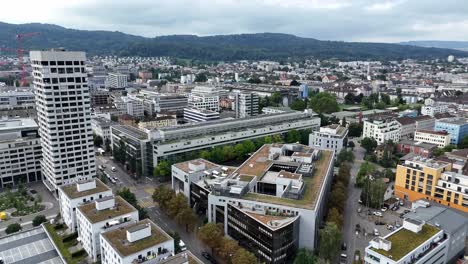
(347, 20)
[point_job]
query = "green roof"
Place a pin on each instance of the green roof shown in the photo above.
(404, 241)
(121, 207)
(72, 192)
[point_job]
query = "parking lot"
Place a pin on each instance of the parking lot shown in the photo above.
(28, 247)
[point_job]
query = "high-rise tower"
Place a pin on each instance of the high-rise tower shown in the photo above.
(64, 116)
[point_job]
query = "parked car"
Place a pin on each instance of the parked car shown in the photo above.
(402, 215)
(182, 245)
(113, 169)
(360, 201)
(377, 213)
(389, 227)
(401, 203)
(384, 209)
(406, 211)
(396, 207)
(397, 225)
(344, 247)
(359, 210)
(104, 166)
(376, 232)
(379, 223)
(343, 258)
(358, 228)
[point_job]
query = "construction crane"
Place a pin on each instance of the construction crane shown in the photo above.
(20, 52)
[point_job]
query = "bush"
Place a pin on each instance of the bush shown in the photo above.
(78, 253)
(59, 226)
(70, 237)
(38, 220)
(13, 228)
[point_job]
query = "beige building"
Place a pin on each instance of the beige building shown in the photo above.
(163, 121)
(439, 138)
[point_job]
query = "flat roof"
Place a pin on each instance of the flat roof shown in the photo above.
(118, 238)
(15, 123)
(122, 207)
(131, 131)
(72, 192)
(184, 166)
(404, 241)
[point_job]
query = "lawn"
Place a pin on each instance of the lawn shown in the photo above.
(63, 246)
(20, 200)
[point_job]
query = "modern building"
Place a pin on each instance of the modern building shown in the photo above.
(246, 104)
(272, 204)
(439, 138)
(422, 178)
(136, 243)
(204, 97)
(137, 146)
(195, 115)
(170, 142)
(64, 116)
(102, 215)
(408, 125)
(172, 103)
(101, 127)
(415, 242)
(158, 122)
(432, 108)
(457, 128)
(382, 129)
(20, 152)
(332, 137)
(73, 195)
(100, 97)
(407, 146)
(275, 110)
(16, 98)
(116, 81)
(131, 106)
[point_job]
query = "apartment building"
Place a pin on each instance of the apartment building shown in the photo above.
(422, 178)
(204, 97)
(194, 115)
(266, 201)
(73, 195)
(457, 127)
(169, 142)
(382, 129)
(20, 152)
(246, 104)
(130, 106)
(408, 125)
(136, 243)
(432, 108)
(332, 137)
(415, 242)
(101, 127)
(64, 116)
(116, 81)
(439, 138)
(102, 215)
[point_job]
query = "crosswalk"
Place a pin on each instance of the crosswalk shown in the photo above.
(146, 202)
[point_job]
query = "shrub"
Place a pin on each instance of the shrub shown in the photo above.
(70, 237)
(78, 253)
(13, 228)
(38, 220)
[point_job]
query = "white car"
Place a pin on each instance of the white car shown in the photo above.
(384, 209)
(113, 169)
(376, 232)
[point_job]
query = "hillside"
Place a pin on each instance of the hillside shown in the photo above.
(211, 48)
(460, 45)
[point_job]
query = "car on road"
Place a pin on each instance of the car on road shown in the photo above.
(359, 210)
(360, 201)
(377, 213)
(389, 227)
(113, 169)
(376, 232)
(343, 258)
(396, 207)
(182, 246)
(104, 166)
(384, 209)
(344, 247)
(207, 256)
(379, 223)
(397, 225)
(358, 228)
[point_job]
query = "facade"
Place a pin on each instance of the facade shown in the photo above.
(246, 104)
(432, 108)
(408, 125)
(137, 145)
(439, 138)
(131, 106)
(73, 195)
(332, 137)
(172, 103)
(136, 243)
(161, 121)
(457, 128)
(116, 81)
(64, 117)
(168, 142)
(100, 97)
(414, 242)
(262, 204)
(421, 178)
(203, 97)
(16, 98)
(101, 127)
(200, 115)
(423, 149)
(102, 215)
(382, 129)
(20, 152)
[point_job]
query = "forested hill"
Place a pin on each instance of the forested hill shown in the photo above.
(212, 48)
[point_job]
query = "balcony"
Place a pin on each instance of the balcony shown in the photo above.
(154, 258)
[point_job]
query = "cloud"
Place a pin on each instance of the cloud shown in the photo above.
(350, 20)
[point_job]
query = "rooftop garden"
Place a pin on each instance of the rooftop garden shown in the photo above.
(64, 242)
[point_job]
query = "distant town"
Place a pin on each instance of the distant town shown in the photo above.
(159, 160)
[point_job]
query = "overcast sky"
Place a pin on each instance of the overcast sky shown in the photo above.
(348, 20)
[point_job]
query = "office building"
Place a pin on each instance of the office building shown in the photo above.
(170, 142)
(415, 242)
(136, 243)
(408, 125)
(273, 204)
(16, 98)
(382, 129)
(421, 178)
(204, 97)
(432, 108)
(20, 152)
(246, 104)
(130, 106)
(332, 137)
(439, 138)
(103, 215)
(64, 116)
(101, 127)
(457, 127)
(116, 81)
(194, 115)
(73, 195)
(99, 97)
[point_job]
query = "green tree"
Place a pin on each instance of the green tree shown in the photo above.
(329, 241)
(293, 136)
(130, 197)
(464, 142)
(294, 83)
(201, 78)
(338, 196)
(298, 105)
(228, 152)
(355, 130)
(276, 99)
(97, 140)
(38, 220)
(373, 192)
(228, 249)
(163, 169)
(186, 217)
(305, 256)
(344, 156)
(176, 238)
(277, 138)
(369, 144)
(176, 204)
(243, 256)
(211, 234)
(13, 228)
(324, 103)
(365, 170)
(334, 216)
(163, 195)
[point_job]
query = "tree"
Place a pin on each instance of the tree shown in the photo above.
(298, 105)
(187, 217)
(254, 80)
(243, 256)
(211, 234)
(163, 195)
(239, 151)
(276, 98)
(349, 99)
(13, 228)
(294, 83)
(329, 241)
(335, 217)
(344, 155)
(128, 196)
(355, 130)
(373, 192)
(293, 136)
(176, 238)
(365, 169)
(338, 197)
(369, 144)
(228, 248)
(201, 78)
(163, 169)
(464, 142)
(324, 103)
(176, 204)
(305, 256)
(38, 220)
(97, 140)
(248, 146)
(228, 152)
(351, 145)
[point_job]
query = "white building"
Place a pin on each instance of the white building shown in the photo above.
(195, 115)
(136, 243)
(415, 242)
(246, 104)
(64, 116)
(14, 98)
(116, 81)
(20, 152)
(382, 130)
(332, 137)
(439, 138)
(131, 106)
(204, 97)
(101, 127)
(432, 108)
(105, 214)
(73, 195)
(408, 125)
